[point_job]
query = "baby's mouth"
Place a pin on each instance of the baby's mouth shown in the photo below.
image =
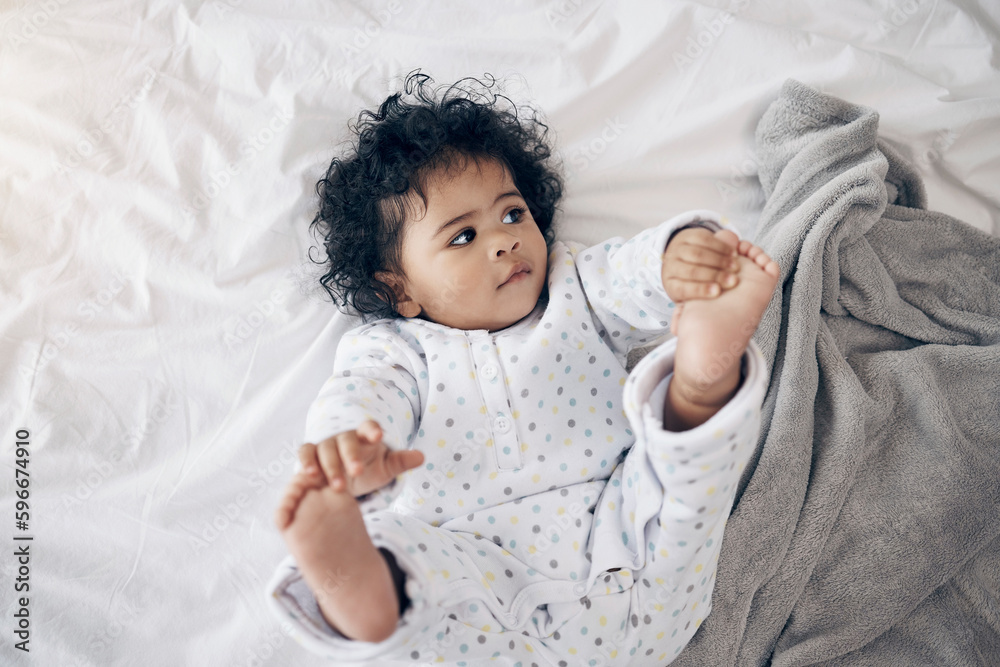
(517, 274)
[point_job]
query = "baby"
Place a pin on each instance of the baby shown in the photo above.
(487, 481)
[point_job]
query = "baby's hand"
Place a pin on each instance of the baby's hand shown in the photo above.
(699, 264)
(357, 461)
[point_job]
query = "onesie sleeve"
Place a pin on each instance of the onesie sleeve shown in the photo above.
(623, 285)
(377, 375)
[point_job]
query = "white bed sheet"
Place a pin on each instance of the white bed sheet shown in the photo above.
(161, 332)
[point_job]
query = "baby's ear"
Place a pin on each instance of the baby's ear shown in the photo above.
(405, 305)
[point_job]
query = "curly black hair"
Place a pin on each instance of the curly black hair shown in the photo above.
(365, 195)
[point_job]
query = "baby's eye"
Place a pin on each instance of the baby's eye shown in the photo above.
(514, 215)
(464, 237)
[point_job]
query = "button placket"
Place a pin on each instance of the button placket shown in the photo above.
(489, 375)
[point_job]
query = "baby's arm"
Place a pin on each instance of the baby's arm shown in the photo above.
(626, 283)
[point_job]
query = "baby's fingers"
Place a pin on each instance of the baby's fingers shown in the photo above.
(328, 453)
(309, 461)
(398, 462)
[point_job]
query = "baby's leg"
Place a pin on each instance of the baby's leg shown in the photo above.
(348, 576)
(712, 336)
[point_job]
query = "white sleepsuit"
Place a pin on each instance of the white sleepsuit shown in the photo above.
(554, 521)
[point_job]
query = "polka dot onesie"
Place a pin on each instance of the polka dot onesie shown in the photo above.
(554, 521)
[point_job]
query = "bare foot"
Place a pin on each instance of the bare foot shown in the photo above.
(326, 535)
(712, 335)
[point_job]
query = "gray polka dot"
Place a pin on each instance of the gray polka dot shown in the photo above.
(440, 386)
(635, 621)
(458, 457)
(571, 423)
(449, 422)
(481, 639)
(524, 392)
(531, 426)
(507, 491)
(513, 359)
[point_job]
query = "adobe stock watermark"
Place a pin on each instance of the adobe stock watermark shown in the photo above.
(262, 310)
(101, 470)
(742, 178)
(900, 14)
(89, 143)
(31, 21)
(943, 140)
(363, 36)
(59, 336)
(558, 12)
(228, 513)
(699, 44)
(124, 617)
(581, 158)
(221, 178)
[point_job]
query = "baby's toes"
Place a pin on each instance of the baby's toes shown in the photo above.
(296, 490)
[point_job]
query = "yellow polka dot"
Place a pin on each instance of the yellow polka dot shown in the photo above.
(583, 472)
(568, 262)
(568, 441)
(555, 409)
(532, 549)
(516, 414)
(432, 408)
(485, 628)
(583, 378)
(659, 635)
(664, 553)
(491, 576)
(576, 545)
(710, 491)
(488, 443)
(450, 474)
(536, 478)
(513, 519)
(611, 504)
(445, 574)
(552, 376)
(569, 312)
(442, 442)
(482, 409)
(544, 342)
(572, 651)
(718, 433)
(461, 503)
(472, 375)
(493, 475)
(408, 415)
(621, 383)
(603, 621)
(698, 568)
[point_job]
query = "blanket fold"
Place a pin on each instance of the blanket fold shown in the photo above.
(867, 526)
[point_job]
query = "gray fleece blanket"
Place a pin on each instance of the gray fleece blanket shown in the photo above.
(866, 528)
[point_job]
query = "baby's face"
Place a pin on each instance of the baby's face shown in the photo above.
(475, 259)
